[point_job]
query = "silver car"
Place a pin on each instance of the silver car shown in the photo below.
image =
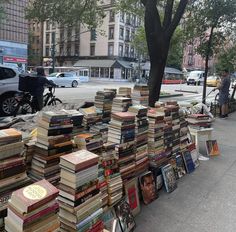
(65, 79)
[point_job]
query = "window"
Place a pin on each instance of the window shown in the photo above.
(47, 25)
(121, 49)
(126, 50)
(127, 35)
(69, 49)
(128, 18)
(93, 35)
(111, 32)
(6, 73)
(121, 33)
(47, 51)
(110, 49)
(112, 16)
(61, 49)
(122, 17)
(132, 52)
(92, 49)
(47, 38)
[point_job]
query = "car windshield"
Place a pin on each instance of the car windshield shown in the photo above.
(211, 78)
(194, 74)
(53, 75)
(69, 74)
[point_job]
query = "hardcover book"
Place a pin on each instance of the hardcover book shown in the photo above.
(126, 219)
(131, 190)
(180, 166)
(188, 161)
(169, 178)
(33, 196)
(148, 187)
(212, 148)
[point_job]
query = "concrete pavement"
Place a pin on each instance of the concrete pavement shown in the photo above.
(205, 201)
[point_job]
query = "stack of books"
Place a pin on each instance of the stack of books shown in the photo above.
(53, 140)
(141, 137)
(184, 132)
(29, 152)
(103, 102)
(156, 147)
(77, 120)
(89, 141)
(92, 115)
(111, 173)
(174, 107)
(121, 104)
(140, 95)
(124, 92)
(101, 128)
(12, 166)
(33, 208)
(198, 121)
(79, 197)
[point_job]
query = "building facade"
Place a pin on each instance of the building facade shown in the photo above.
(108, 55)
(14, 35)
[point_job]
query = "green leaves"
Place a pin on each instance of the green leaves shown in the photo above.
(67, 12)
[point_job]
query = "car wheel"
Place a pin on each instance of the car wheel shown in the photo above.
(74, 84)
(8, 104)
(187, 83)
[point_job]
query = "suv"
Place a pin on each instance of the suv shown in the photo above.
(9, 79)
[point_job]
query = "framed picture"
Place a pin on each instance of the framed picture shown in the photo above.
(212, 148)
(131, 191)
(148, 187)
(126, 218)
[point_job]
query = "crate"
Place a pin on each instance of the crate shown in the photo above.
(27, 83)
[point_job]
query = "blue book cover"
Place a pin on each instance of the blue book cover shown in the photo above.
(169, 178)
(188, 161)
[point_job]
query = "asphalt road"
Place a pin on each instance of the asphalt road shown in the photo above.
(87, 91)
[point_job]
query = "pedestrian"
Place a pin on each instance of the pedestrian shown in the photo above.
(224, 93)
(38, 88)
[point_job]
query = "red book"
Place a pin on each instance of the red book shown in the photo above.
(79, 160)
(33, 196)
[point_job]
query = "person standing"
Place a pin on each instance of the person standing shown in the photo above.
(224, 93)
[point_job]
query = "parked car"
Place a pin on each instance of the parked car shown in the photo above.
(195, 78)
(9, 79)
(213, 81)
(65, 79)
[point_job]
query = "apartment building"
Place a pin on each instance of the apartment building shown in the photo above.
(106, 51)
(14, 35)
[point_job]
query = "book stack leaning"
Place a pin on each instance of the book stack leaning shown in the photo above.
(79, 197)
(141, 137)
(12, 166)
(53, 140)
(33, 209)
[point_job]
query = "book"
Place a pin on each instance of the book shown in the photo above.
(148, 187)
(212, 148)
(188, 161)
(33, 196)
(131, 190)
(126, 219)
(169, 178)
(79, 160)
(10, 136)
(180, 166)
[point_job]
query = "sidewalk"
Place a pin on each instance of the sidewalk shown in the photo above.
(205, 201)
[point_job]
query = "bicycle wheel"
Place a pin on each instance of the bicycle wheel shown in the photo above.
(54, 102)
(24, 107)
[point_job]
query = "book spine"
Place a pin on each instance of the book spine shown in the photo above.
(86, 197)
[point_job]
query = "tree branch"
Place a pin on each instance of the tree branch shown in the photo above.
(168, 13)
(178, 15)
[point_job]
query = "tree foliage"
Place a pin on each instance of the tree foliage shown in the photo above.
(67, 12)
(211, 22)
(226, 59)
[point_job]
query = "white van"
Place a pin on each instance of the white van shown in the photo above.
(195, 78)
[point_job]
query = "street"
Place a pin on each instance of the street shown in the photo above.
(87, 91)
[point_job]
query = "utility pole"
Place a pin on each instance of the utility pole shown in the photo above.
(53, 50)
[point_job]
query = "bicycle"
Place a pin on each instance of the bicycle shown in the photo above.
(27, 104)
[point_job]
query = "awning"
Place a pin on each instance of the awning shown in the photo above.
(95, 63)
(122, 64)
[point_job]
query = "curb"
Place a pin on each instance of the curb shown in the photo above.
(186, 91)
(172, 95)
